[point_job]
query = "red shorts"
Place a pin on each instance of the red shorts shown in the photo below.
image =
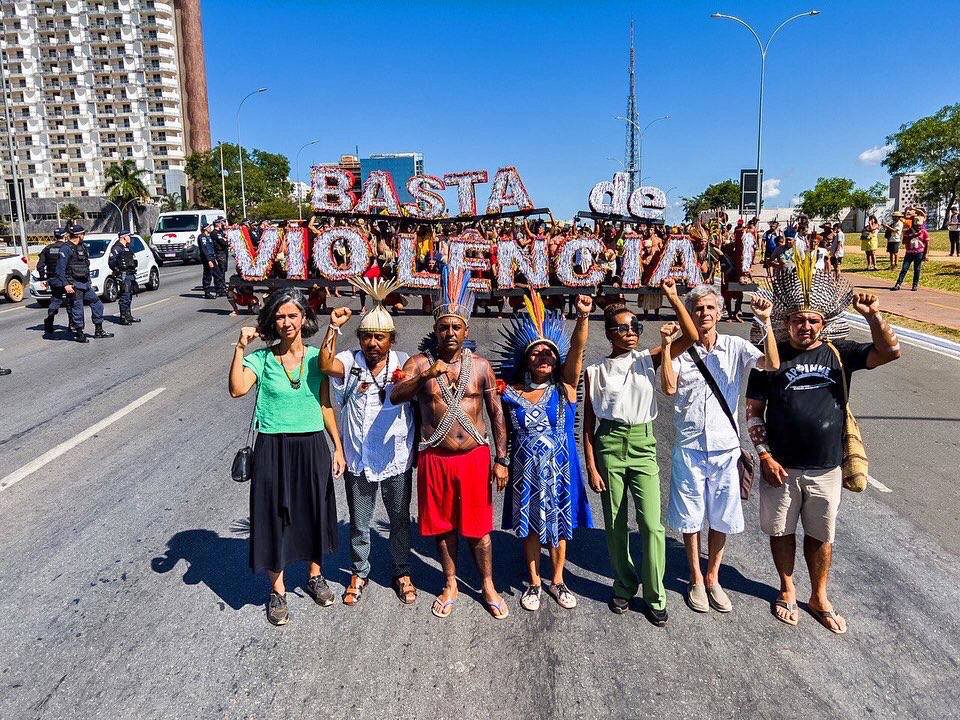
(454, 492)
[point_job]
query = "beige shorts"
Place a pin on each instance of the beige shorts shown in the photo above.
(810, 495)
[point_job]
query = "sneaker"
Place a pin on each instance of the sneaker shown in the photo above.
(530, 600)
(697, 598)
(719, 600)
(656, 617)
(896, 287)
(565, 599)
(618, 605)
(277, 609)
(318, 589)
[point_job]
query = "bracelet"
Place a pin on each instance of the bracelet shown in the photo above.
(762, 450)
(336, 329)
(583, 316)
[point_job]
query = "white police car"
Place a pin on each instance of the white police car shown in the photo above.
(102, 282)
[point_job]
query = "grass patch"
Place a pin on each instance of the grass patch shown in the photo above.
(936, 275)
(939, 240)
(930, 328)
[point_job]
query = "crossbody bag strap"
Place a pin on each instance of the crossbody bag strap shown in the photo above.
(712, 384)
(843, 374)
(253, 417)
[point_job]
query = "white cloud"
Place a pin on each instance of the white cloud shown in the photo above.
(771, 187)
(794, 201)
(874, 155)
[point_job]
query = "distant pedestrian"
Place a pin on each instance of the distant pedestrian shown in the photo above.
(953, 230)
(893, 232)
(208, 257)
(869, 241)
(916, 241)
(47, 271)
(293, 508)
(123, 264)
(837, 248)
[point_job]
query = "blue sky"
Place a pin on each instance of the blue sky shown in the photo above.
(478, 85)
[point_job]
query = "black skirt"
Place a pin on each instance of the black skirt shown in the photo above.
(293, 508)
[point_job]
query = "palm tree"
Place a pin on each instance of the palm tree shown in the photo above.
(170, 202)
(125, 186)
(70, 213)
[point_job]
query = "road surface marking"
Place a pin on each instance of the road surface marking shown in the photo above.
(878, 485)
(18, 307)
(155, 302)
(52, 454)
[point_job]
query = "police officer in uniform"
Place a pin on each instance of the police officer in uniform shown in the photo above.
(208, 256)
(123, 263)
(73, 274)
(222, 248)
(47, 270)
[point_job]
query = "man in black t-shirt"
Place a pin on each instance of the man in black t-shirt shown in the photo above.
(795, 417)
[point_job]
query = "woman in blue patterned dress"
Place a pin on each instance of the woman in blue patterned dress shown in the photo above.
(545, 497)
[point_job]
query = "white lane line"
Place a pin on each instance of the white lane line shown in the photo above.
(878, 485)
(18, 307)
(150, 304)
(52, 454)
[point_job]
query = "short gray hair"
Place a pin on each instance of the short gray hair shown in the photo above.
(691, 299)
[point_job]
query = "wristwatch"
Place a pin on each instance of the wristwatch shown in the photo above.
(505, 461)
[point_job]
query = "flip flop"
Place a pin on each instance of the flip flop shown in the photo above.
(445, 608)
(790, 607)
(825, 616)
(499, 610)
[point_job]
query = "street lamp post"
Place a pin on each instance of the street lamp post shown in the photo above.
(764, 46)
(243, 192)
(640, 133)
(296, 169)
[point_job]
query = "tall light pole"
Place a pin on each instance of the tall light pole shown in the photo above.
(16, 200)
(223, 180)
(640, 134)
(243, 192)
(764, 46)
(296, 169)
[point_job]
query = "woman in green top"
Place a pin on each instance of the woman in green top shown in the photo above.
(293, 509)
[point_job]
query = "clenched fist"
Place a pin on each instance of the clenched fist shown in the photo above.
(584, 304)
(339, 316)
(667, 332)
(247, 334)
(866, 304)
(761, 308)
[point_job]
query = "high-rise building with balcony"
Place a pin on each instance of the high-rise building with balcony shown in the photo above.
(94, 82)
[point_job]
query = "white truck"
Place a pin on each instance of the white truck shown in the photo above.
(175, 237)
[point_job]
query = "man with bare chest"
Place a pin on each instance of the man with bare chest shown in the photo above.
(452, 386)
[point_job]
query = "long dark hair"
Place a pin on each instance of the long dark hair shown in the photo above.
(267, 318)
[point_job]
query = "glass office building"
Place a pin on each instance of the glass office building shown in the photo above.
(401, 166)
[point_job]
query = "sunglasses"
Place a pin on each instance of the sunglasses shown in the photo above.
(623, 328)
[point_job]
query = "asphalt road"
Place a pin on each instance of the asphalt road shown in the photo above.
(127, 593)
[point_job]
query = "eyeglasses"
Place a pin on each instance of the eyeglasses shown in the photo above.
(633, 326)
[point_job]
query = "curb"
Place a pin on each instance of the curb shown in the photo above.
(916, 338)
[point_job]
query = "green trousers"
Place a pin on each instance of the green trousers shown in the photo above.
(626, 457)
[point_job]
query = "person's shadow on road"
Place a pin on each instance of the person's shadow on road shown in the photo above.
(221, 563)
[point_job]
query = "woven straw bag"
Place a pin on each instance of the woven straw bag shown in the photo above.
(855, 466)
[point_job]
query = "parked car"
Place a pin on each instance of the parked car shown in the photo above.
(102, 282)
(14, 275)
(175, 237)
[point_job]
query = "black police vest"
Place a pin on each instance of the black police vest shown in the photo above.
(51, 256)
(78, 266)
(220, 243)
(125, 259)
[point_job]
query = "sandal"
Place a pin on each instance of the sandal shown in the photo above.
(405, 590)
(499, 610)
(530, 599)
(831, 620)
(793, 616)
(442, 608)
(354, 591)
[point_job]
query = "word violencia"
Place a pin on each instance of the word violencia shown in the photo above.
(494, 263)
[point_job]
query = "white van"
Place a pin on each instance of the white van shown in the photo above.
(175, 237)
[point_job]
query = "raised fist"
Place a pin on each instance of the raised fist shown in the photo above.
(669, 286)
(761, 308)
(339, 316)
(866, 303)
(584, 304)
(667, 331)
(247, 334)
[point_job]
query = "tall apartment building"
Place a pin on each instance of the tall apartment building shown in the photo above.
(93, 82)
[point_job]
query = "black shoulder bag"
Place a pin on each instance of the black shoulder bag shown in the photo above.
(242, 470)
(745, 465)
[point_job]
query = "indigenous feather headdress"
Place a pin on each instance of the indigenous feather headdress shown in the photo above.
(536, 325)
(378, 318)
(800, 287)
(456, 298)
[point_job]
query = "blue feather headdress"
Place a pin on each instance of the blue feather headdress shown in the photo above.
(535, 325)
(456, 298)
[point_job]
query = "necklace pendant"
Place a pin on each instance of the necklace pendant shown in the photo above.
(363, 387)
(295, 384)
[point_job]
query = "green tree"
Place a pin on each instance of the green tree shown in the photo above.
(275, 209)
(827, 198)
(930, 145)
(868, 199)
(124, 186)
(724, 194)
(170, 202)
(70, 213)
(265, 177)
